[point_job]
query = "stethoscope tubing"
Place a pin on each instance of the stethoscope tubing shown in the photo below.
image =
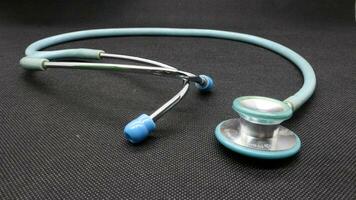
(295, 101)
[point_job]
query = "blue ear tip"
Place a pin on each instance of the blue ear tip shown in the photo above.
(208, 84)
(139, 129)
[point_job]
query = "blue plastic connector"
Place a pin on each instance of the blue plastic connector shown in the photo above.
(207, 85)
(139, 129)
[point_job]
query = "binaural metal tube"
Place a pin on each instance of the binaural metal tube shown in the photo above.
(137, 59)
(174, 100)
(193, 77)
(161, 70)
(158, 71)
(171, 103)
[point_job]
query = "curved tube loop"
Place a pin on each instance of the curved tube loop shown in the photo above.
(295, 101)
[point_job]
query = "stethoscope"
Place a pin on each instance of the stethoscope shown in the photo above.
(257, 133)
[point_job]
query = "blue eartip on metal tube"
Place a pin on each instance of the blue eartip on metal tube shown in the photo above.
(207, 85)
(139, 129)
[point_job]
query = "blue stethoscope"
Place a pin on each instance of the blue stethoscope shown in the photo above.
(257, 133)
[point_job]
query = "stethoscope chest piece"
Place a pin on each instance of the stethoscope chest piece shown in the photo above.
(257, 132)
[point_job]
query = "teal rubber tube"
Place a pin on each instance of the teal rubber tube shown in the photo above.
(295, 101)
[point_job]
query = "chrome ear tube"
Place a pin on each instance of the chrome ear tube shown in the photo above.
(140, 128)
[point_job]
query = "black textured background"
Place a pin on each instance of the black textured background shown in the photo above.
(61, 131)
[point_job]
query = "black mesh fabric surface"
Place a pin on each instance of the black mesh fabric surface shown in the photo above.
(61, 131)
